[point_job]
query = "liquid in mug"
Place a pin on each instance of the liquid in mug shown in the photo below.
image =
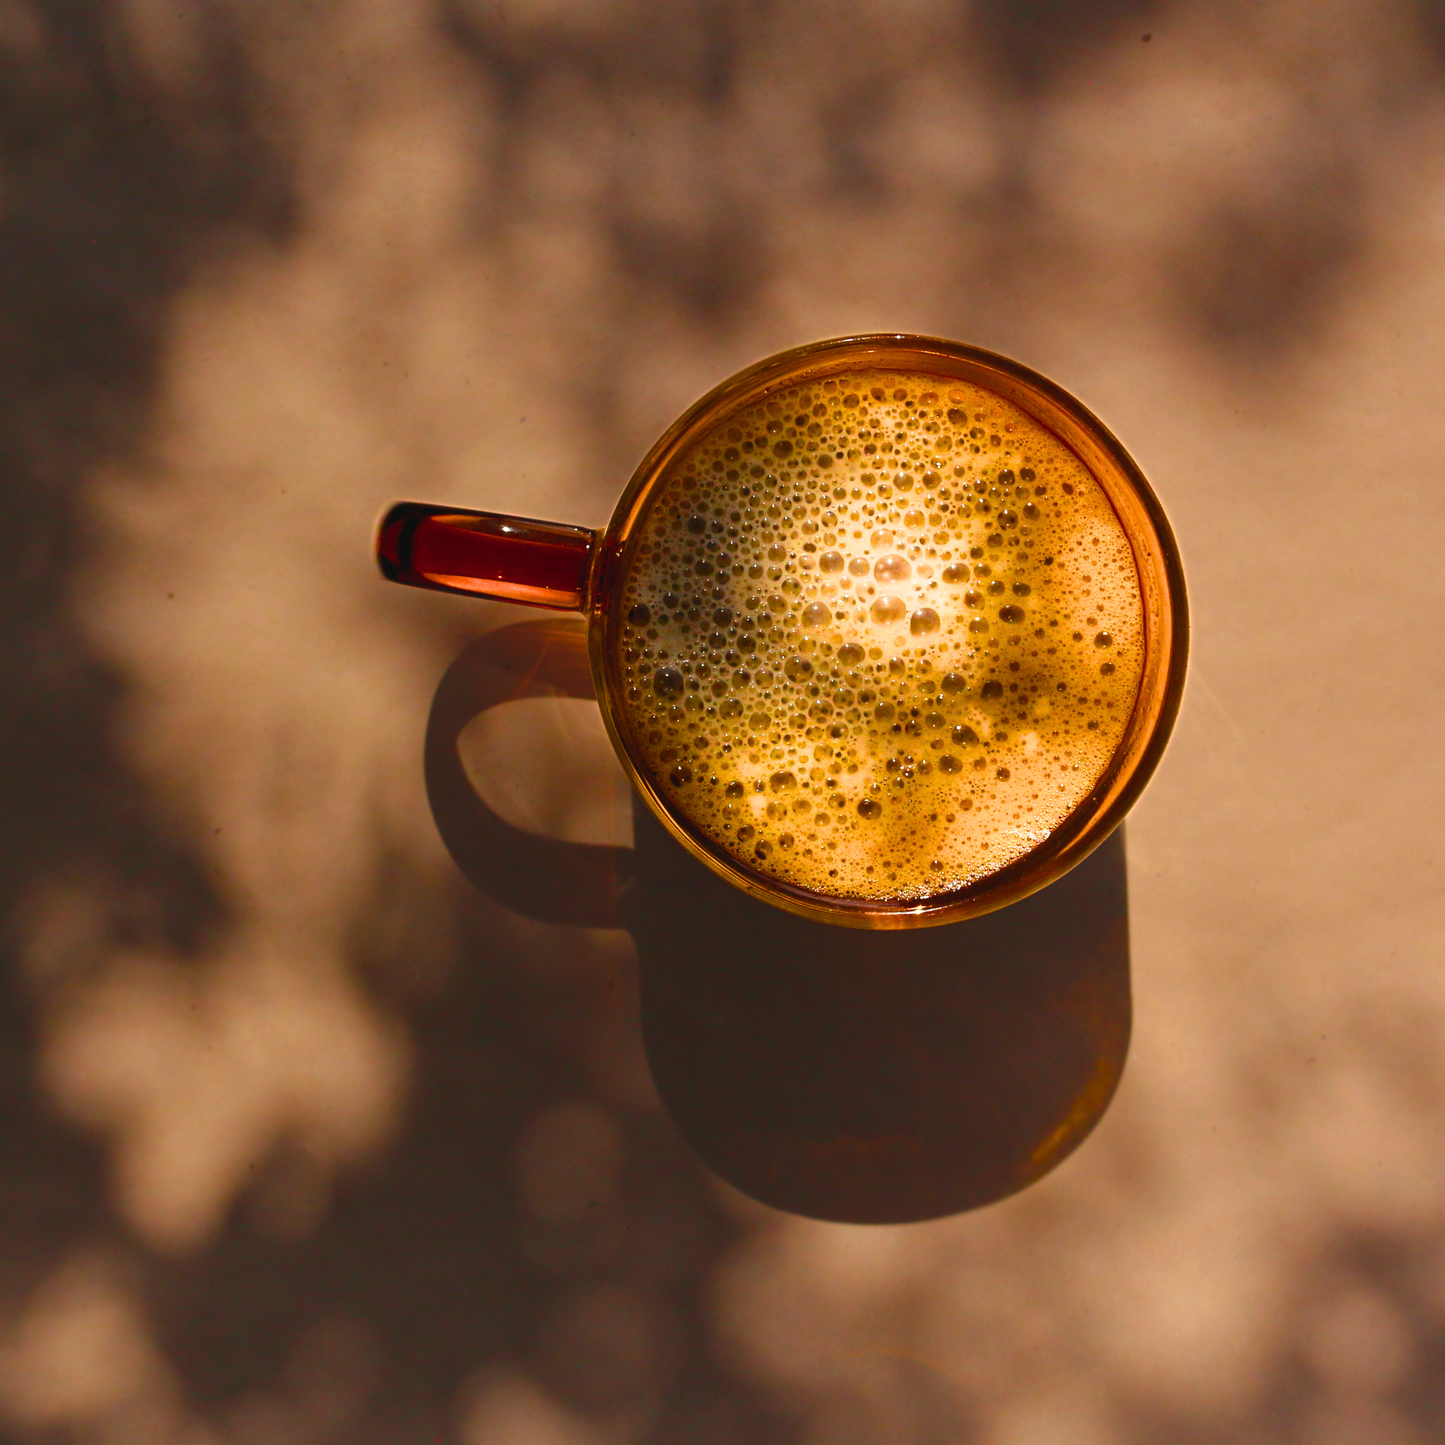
(880, 635)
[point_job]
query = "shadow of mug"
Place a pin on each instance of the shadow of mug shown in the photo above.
(847, 1075)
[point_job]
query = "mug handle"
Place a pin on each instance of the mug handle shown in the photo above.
(486, 554)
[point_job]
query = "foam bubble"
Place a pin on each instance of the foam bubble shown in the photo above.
(876, 645)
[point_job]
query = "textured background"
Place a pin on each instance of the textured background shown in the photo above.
(300, 1135)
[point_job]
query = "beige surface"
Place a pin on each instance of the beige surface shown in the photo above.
(300, 1131)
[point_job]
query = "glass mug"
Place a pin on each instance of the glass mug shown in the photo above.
(544, 564)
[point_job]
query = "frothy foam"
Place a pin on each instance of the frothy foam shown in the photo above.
(881, 635)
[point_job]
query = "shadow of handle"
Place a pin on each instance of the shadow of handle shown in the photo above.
(541, 878)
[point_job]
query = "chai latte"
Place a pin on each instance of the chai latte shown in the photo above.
(880, 635)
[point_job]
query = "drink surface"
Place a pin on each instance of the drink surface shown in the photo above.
(881, 634)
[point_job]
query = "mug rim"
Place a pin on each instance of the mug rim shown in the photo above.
(1157, 563)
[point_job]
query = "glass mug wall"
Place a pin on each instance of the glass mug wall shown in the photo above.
(887, 630)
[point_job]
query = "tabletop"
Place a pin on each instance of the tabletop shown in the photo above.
(313, 1130)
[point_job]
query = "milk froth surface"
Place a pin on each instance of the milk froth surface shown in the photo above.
(881, 635)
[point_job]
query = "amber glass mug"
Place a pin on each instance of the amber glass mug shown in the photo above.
(544, 564)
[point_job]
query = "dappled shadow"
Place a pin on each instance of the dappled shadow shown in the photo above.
(1261, 275)
(697, 240)
(1035, 43)
(710, 130)
(1430, 15)
(115, 192)
(304, 1141)
(1365, 1356)
(536, 1244)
